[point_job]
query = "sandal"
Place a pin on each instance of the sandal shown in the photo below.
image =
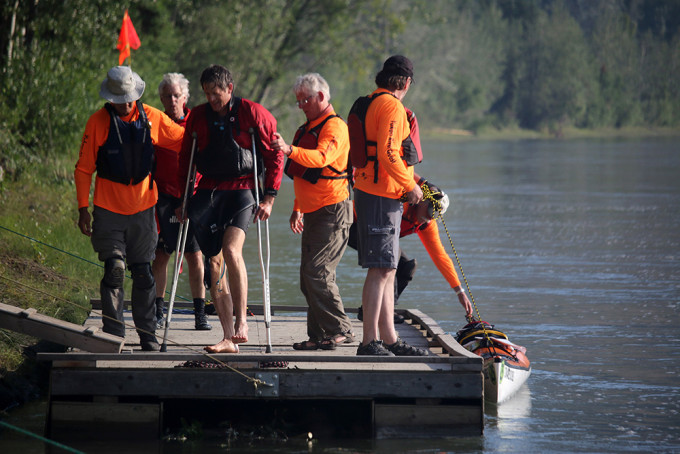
(348, 338)
(330, 343)
(327, 344)
(306, 345)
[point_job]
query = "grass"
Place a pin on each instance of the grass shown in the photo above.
(38, 210)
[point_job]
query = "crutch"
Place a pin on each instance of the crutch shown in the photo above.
(181, 241)
(263, 265)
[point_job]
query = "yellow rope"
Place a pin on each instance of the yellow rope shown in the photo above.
(428, 194)
(255, 381)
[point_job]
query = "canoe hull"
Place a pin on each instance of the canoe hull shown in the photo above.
(503, 377)
(506, 366)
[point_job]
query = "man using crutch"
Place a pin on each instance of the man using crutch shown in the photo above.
(225, 198)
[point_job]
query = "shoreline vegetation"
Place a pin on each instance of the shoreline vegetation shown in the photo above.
(493, 134)
(37, 210)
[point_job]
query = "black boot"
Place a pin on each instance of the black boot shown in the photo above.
(405, 271)
(160, 317)
(199, 315)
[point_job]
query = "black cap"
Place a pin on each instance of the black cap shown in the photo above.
(398, 65)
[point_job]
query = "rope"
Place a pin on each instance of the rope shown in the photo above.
(69, 253)
(428, 194)
(255, 381)
(53, 247)
(41, 438)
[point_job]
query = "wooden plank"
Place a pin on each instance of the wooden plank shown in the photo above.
(473, 361)
(79, 412)
(201, 383)
(425, 321)
(31, 322)
(452, 347)
(98, 421)
(424, 421)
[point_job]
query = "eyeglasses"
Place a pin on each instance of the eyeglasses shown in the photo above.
(304, 102)
(172, 96)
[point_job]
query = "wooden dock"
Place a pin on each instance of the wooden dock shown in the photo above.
(335, 393)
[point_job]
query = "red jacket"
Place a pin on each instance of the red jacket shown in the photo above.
(428, 233)
(250, 115)
(167, 164)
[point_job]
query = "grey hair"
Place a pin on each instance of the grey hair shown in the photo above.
(312, 83)
(175, 78)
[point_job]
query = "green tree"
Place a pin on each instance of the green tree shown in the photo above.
(553, 89)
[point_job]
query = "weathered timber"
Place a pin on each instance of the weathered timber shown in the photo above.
(31, 322)
(436, 395)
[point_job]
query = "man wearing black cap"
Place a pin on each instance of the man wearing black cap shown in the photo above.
(118, 144)
(378, 188)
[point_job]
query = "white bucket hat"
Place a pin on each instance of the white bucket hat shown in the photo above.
(122, 85)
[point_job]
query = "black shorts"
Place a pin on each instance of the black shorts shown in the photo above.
(169, 226)
(212, 211)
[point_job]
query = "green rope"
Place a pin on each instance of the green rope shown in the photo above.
(53, 247)
(72, 255)
(38, 437)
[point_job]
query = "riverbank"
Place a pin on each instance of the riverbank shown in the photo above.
(563, 134)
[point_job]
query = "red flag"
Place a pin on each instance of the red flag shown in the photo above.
(127, 39)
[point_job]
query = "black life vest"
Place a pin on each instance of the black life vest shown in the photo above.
(127, 156)
(358, 144)
(223, 158)
(309, 140)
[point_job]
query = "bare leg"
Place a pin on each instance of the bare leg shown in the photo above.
(195, 262)
(219, 292)
(232, 251)
(159, 267)
(377, 300)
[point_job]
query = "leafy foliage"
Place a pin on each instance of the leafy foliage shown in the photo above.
(537, 64)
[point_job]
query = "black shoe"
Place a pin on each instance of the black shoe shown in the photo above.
(160, 317)
(202, 322)
(373, 348)
(401, 348)
(150, 346)
(199, 315)
(360, 314)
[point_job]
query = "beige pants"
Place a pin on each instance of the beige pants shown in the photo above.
(324, 240)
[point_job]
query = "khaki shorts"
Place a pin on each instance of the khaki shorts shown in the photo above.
(378, 224)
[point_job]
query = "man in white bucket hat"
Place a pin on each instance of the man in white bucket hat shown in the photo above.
(118, 144)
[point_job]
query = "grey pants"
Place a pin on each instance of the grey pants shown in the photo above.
(324, 239)
(132, 238)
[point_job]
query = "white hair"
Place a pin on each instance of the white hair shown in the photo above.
(175, 79)
(312, 83)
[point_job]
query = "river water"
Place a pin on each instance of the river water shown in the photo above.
(572, 248)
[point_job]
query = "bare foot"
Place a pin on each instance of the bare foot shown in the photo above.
(241, 333)
(224, 346)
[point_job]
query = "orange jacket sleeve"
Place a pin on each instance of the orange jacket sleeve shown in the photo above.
(117, 197)
(332, 149)
(429, 236)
